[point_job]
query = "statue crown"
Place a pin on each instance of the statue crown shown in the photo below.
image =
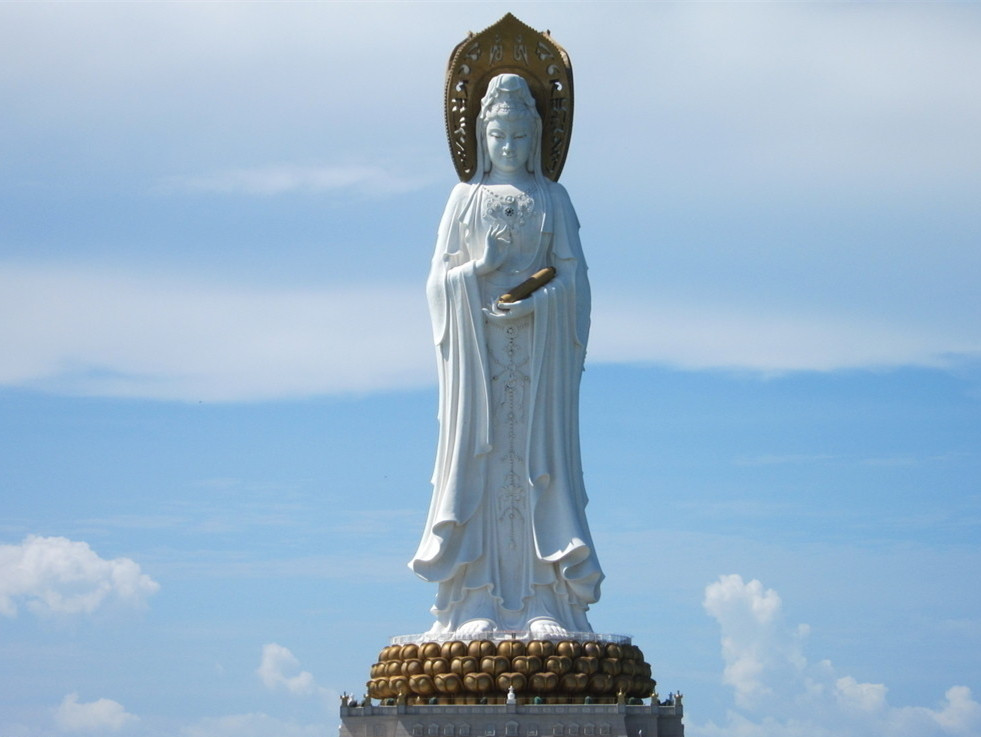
(508, 96)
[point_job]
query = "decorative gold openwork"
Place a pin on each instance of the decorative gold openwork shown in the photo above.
(509, 46)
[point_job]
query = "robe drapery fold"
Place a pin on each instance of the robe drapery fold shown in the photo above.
(457, 547)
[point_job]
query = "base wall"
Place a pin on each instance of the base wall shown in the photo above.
(514, 720)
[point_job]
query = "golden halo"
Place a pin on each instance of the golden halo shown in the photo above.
(509, 47)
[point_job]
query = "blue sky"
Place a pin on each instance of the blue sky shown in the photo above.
(217, 399)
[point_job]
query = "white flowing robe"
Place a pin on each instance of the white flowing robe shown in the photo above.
(557, 575)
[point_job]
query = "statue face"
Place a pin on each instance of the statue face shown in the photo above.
(509, 144)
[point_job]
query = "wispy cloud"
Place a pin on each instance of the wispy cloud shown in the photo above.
(380, 568)
(98, 717)
(255, 724)
(874, 100)
(785, 459)
(91, 332)
(275, 669)
(286, 178)
(778, 693)
(705, 336)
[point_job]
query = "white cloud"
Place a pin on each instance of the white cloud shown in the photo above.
(380, 568)
(252, 725)
(796, 97)
(277, 661)
(852, 695)
(89, 332)
(287, 178)
(86, 332)
(101, 716)
(778, 693)
(702, 337)
(841, 110)
(754, 642)
(55, 575)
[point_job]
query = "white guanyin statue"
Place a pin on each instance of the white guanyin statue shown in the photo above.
(506, 539)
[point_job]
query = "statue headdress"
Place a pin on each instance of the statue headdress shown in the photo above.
(509, 47)
(507, 95)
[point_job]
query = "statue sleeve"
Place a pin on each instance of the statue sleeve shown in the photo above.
(450, 252)
(567, 250)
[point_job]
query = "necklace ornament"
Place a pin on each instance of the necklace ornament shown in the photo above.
(511, 210)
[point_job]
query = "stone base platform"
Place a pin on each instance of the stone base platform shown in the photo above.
(515, 720)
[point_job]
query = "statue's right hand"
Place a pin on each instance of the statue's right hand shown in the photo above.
(495, 249)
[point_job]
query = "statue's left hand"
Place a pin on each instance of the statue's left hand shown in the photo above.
(511, 310)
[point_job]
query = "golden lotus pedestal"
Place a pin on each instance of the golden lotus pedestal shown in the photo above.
(513, 687)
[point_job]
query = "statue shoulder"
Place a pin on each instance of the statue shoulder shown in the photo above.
(460, 194)
(558, 194)
(555, 189)
(562, 205)
(455, 203)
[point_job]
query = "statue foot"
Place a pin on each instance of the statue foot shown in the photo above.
(476, 627)
(546, 627)
(436, 629)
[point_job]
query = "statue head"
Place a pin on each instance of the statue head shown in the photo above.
(509, 129)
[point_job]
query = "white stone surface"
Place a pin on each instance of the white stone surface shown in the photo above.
(506, 539)
(501, 635)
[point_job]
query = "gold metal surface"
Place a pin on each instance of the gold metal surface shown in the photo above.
(529, 285)
(458, 672)
(509, 46)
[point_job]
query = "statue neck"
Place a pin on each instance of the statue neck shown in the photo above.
(521, 180)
